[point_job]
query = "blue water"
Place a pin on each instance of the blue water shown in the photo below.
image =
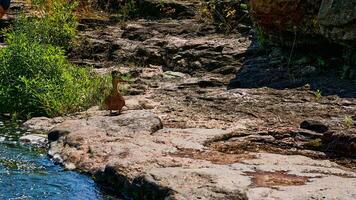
(27, 173)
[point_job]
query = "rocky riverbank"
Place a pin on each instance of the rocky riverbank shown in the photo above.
(188, 137)
(200, 122)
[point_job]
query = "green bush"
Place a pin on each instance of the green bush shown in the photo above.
(36, 78)
(38, 3)
(128, 10)
(57, 26)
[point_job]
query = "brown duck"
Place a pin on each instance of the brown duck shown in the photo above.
(115, 101)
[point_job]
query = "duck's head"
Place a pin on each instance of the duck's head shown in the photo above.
(116, 74)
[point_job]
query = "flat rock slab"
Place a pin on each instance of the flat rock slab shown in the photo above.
(38, 140)
(42, 124)
(133, 154)
(268, 176)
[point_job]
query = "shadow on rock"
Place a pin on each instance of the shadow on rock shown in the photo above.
(324, 70)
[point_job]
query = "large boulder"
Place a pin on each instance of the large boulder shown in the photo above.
(283, 19)
(308, 19)
(337, 20)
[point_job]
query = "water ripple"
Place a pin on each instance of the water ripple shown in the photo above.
(27, 173)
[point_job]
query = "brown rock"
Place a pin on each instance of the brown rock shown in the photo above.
(311, 20)
(42, 124)
(341, 143)
(282, 18)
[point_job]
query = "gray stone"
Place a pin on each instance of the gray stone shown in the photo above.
(337, 20)
(57, 159)
(171, 74)
(34, 140)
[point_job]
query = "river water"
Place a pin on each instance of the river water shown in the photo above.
(27, 173)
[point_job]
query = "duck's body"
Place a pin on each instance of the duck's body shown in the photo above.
(4, 6)
(115, 101)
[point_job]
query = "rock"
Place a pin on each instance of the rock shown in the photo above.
(259, 178)
(132, 104)
(177, 45)
(134, 73)
(225, 70)
(337, 21)
(132, 154)
(86, 139)
(57, 159)
(137, 32)
(42, 124)
(279, 140)
(259, 71)
(308, 70)
(204, 82)
(189, 55)
(135, 91)
(55, 134)
(340, 143)
(69, 166)
(171, 74)
(216, 182)
(37, 140)
(314, 126)
(209, 148)
(285, 17)
(150, 72)
(304, 173)
(210, 82)
(313, 21)
(139, 103)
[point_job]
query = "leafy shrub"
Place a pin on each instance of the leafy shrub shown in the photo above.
(38, 3)
(36, 78)
(128, 10)
(57, 26)
(227, 14)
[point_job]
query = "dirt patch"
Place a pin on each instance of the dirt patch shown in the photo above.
(212, 156)
(278, 178)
